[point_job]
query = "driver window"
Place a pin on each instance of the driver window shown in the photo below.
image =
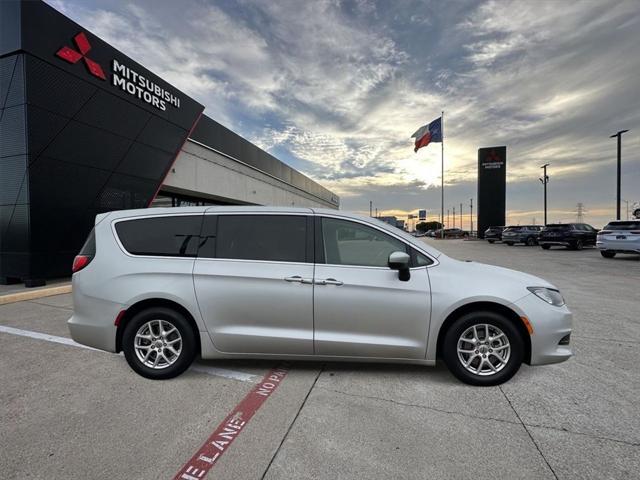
(350, 243)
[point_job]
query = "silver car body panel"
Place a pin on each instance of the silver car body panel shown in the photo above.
(246, 309)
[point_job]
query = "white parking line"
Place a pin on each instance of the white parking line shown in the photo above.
(43, 336)
(213, 371)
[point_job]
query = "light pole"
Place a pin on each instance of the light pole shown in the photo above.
(471, 215)
(545, 180)
(447, 218)
(370, 208)
(619, 136)
(454, 217)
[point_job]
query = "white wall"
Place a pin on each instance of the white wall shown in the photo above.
(201, 172)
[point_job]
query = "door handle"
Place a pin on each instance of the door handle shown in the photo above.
(329, 281)
(299, 279)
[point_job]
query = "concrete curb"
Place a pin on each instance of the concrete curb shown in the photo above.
(33, 294)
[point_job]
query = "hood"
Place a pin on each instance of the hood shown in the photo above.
(482, 281)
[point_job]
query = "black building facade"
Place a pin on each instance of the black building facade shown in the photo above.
(84, 129)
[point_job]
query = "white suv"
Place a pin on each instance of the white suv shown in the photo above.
(619, 236)
(164, 285)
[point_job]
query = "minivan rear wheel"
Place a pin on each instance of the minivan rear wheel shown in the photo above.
(483, 348)
(159, 343)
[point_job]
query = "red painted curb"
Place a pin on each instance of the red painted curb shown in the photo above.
(224, 435)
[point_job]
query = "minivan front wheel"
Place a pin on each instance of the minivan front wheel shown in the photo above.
(159, 343)
(483, 348)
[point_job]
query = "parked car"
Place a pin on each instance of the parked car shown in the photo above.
(572, 235)
(451, 233)
(527, 234)
(619, 237)
(493, 234)
(166, 284)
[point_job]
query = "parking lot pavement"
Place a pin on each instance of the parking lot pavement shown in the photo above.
(69, 412)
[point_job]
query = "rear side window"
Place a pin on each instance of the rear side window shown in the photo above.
(558, 228)
(276, 238)
(89, 247)
(171, 236)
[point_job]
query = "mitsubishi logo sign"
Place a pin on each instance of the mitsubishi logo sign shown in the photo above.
(73, 56)
(493, 161)
(123, 77)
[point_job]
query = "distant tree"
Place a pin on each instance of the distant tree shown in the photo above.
(424, 226)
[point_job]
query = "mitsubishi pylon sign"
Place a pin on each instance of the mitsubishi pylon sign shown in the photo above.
(492, 176)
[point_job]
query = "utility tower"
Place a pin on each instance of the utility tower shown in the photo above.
(580, 211)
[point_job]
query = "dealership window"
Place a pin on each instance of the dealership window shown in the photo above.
(277, 238)
(171, 236)
(167, 199)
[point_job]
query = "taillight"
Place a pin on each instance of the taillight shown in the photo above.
(80, 262)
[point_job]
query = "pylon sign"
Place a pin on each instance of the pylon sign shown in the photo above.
(492, 179)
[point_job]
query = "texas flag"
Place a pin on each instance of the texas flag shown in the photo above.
(428, 133)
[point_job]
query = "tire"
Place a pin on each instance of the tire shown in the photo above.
(175, 364)
(607, 253)
(545, 247)
(491, 241)
(530, 242)
(509, 243)
(496, 323)
(577, 245)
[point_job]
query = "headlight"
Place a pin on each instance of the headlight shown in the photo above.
(552, 297)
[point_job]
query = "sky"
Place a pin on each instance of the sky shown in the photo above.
(336, 88)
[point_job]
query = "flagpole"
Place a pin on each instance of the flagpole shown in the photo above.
(442, 175)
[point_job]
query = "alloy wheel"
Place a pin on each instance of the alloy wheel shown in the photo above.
(483, 349)
(158, 344)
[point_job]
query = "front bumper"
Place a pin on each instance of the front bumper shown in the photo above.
(550, 326)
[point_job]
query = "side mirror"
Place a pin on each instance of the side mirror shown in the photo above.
(400, 261)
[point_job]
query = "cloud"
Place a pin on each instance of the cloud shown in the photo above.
(336, 88)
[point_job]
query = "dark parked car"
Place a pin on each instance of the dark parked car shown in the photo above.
(493, 234)
(527, 234)
(571, 235)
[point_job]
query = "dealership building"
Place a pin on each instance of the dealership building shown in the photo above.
(84, 129)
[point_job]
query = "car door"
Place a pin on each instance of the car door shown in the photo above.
(254, 282)
(591, 235)
(361, 307)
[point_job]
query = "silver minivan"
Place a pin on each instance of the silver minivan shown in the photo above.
(167, 285)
